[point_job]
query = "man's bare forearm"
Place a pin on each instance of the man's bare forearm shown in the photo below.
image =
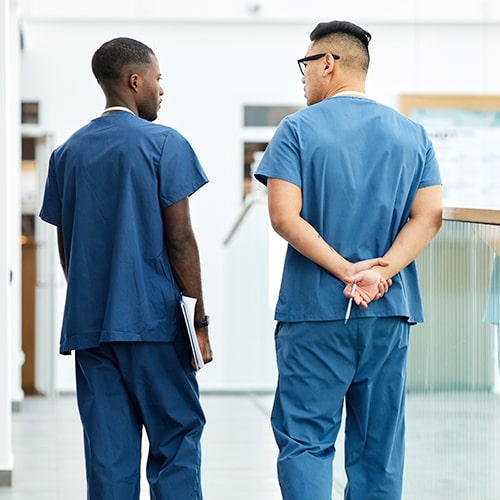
(185, 261)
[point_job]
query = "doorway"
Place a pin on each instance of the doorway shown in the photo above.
(29, 196)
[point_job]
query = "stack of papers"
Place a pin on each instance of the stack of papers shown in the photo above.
(187, 306)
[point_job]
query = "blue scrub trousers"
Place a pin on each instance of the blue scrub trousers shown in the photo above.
(320, 364)
(123, 386)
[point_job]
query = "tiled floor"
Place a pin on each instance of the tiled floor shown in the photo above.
(453, 449)
(238, 450)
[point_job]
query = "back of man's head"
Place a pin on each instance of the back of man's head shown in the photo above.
(348, 40)
(113, 56)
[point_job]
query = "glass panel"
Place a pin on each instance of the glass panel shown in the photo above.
(453, 400)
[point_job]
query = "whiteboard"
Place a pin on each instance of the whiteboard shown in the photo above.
(467, 145)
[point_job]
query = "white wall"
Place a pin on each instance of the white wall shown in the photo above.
(394, 11)
(10, 225)
(5, 368)
(216, 58)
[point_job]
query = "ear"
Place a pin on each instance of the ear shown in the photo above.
(134, 82)
(329, 64)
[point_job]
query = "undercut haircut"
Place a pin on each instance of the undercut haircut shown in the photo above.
(345, 33)
(111, 57)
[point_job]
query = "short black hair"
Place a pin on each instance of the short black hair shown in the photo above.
(111, 57)
(323, 30)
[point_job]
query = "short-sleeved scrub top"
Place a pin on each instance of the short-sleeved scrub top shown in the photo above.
(106, 188)
(359, 165)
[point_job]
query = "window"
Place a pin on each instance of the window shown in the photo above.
(29, 112)
(266, 116)
(259, 124)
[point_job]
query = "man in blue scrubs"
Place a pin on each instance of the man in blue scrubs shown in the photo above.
(354, 187)
(118, 190)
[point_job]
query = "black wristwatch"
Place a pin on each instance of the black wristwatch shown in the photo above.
(204, 323)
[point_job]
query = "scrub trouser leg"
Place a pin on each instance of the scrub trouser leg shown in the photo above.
(123, 386)
(320, 364)
(375, 404)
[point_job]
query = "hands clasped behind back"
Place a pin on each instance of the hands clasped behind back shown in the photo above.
(370, 283)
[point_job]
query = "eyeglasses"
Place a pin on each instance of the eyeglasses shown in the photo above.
(302, 62)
